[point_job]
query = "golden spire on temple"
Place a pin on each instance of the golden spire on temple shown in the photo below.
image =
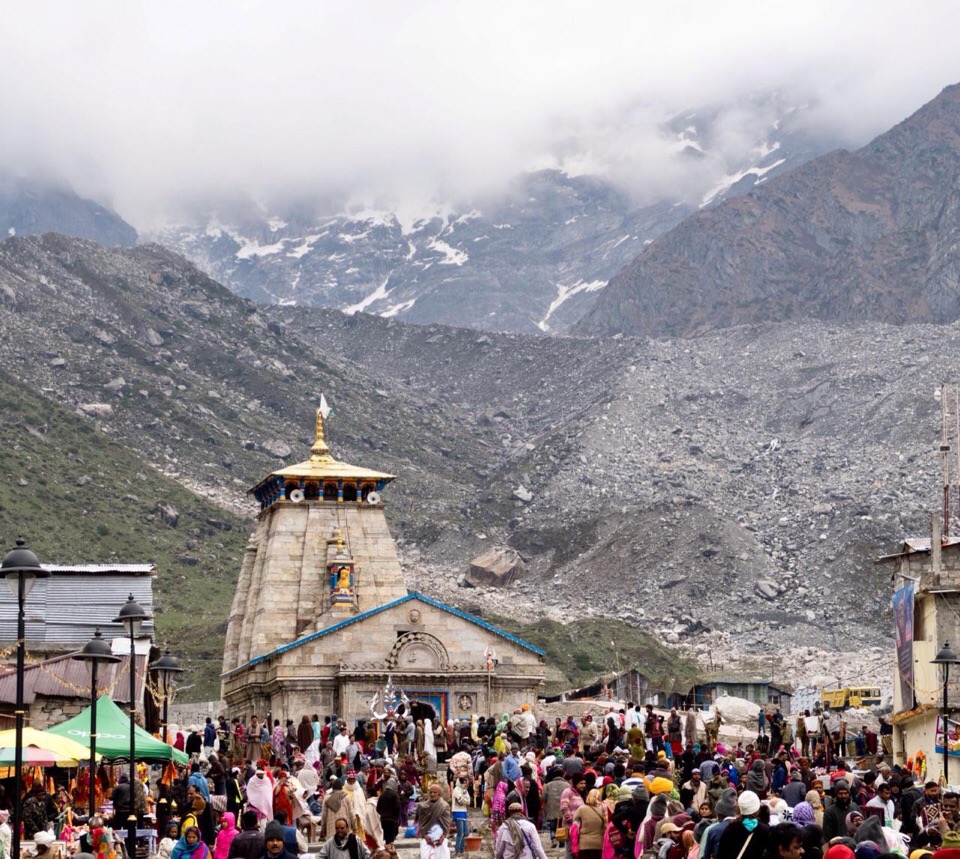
(320, 451)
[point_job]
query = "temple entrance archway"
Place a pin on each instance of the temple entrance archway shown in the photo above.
(419, 710)
(422, 710)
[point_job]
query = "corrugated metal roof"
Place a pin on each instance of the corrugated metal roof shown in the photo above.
(912, 545)
(44, 679)
(922, 544)
(413, 595)
(101, 569)
(63, 611)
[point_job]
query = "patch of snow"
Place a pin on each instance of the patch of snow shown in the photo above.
(302, 250)
(729, 181)
(276, 223)
(563, 293)
(380, 293)
(415, 218)
(394, 309)
(412, 249)
(569, 221)
(350, 239)
(620, 241)
(374, 217)
(12, 231)
(765, 148)
(287, 302)
(503, 226)
(684, 142)
(452, 256)
(469, 216)
(481, 238)
(250, 248)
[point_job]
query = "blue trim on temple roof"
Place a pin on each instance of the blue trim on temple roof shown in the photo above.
(413, 595)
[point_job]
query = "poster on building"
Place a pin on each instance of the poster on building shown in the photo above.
(952, 741)
(903, 633)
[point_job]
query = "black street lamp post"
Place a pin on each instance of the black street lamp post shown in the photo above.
(945, 658)
(166, 668)
(94, 652)
(132, 617)
(21, 569)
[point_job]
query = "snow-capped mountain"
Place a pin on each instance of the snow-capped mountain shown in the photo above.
(534, 260)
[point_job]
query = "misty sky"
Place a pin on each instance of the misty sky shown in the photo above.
(148, 105)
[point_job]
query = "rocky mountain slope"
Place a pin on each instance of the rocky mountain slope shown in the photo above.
(772, 462)
(741, 482)
(848, 237)
(532, 260)
(30, 206)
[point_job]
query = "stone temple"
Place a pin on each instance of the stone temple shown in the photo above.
(322, 621)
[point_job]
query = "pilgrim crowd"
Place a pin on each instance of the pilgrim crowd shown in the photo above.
(632, 783)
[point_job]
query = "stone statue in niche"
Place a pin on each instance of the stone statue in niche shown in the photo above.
(342, 582)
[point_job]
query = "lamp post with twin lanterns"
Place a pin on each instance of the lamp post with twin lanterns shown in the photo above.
(132, 617)
(166, 668)
(945, 658)
(94, 652)
(21, 569)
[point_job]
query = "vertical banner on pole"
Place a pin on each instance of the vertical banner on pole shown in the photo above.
(903, 634)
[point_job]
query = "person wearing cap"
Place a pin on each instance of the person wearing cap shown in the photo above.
(949, 847)
(273, 843)
(835, 817)
(354, 804)
(672, 832)
(745, 837)
(628, 817)
(518, 837)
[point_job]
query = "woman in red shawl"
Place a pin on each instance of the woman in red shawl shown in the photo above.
(281, 797)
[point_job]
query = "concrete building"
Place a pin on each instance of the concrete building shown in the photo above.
(61, 614)
(926, 607)
(322, 620)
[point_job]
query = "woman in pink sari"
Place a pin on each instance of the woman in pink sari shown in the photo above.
(498, 807)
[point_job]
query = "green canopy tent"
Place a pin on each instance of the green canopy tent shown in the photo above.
(113, 735)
